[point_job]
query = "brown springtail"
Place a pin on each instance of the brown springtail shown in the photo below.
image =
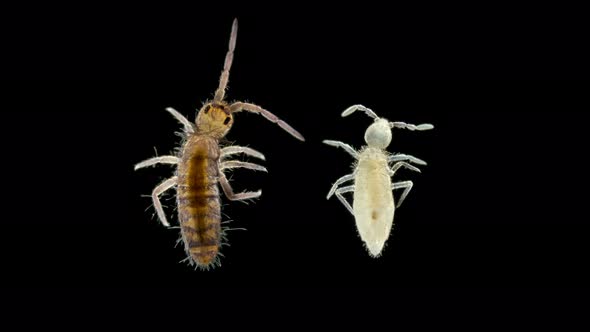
(200, 166)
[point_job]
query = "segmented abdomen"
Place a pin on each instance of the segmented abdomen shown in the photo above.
(373, 204)
(199, 211)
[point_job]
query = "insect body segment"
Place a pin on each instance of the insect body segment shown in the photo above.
(373, 202)
(201, 163)
(199, 209)
(214, 120)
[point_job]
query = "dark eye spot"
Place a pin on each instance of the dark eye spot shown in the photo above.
(206, 110)
(226, 120)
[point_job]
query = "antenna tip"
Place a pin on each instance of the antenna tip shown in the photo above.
(425, 126)
(359, 107)
(350, 110)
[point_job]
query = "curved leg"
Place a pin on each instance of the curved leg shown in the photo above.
(240, 164)
(229, 193)
(162, 187)
(189, 127)
(404, 184)
(240, 106)
(399, 164)
(157, 160)
(341, 191)
(227, 151)
(339, 182)
(345, 146)
(403, 157)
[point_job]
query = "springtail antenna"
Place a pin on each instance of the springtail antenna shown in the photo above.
(229, 57)
(409, 126)
(355, 108)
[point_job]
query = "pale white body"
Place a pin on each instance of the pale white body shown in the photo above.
(373, 205)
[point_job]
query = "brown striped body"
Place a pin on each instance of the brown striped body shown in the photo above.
(199, 209)
(197, 173)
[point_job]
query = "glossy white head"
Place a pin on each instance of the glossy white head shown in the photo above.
(378, 135)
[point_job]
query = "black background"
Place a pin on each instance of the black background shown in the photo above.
(500, 204)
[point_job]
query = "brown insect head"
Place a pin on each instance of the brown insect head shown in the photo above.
(214, 119)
